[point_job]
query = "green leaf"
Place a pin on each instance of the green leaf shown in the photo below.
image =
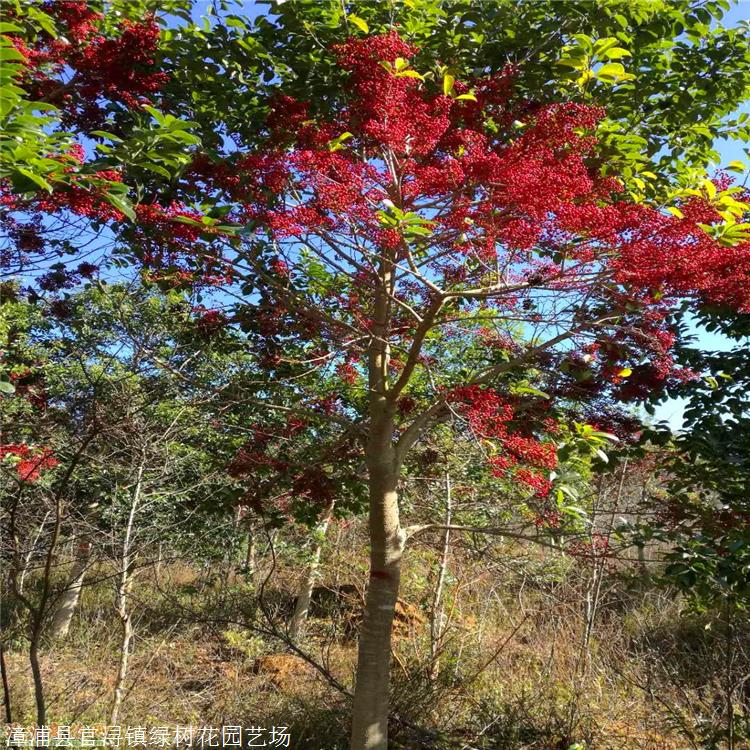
(710, 189)
(531, 391)
(8, 28)
(158, 116)
(122, 204)
(156, 169)
(20, 173)
(235, 22)
(188, 220)
(621, 20)
(8, 53)
(616, 53)
(337, 143)
(6, 387)
(613, 71)
(409, 74)
(108, 136)
(577, 63)
(584, 40)
(360, 23)
(448, 83)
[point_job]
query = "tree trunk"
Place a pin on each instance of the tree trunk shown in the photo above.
(36, 673)
(6, 686)
(307, 583)
(122, 672)
(250, 568)
(71, 596)
(30, 554)
(37, 618)
(123, 592)
(250, 554)
(230, 567)
(437, 618)
(730, 684)
(371, 694)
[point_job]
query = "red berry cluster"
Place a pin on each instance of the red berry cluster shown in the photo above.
(592, 550)
(490, 417)
(80, 70)
(33, 460)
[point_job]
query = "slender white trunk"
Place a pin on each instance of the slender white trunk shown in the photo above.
(437, 618)
(123, 593)
(250, 554)
(593, 591)
(71, 596)
(30, 554)
(307, 583)
(230, 569)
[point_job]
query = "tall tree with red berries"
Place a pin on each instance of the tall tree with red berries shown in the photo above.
(432, 210)
(432, 243)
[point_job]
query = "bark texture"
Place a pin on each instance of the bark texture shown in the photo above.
(69, 598)
(307, 583)
(371, 696)
(123, 600)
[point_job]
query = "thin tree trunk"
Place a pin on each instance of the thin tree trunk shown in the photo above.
(123, 592)
(6, 686)
(729, 682)
(250, 554)
(437, 618)
(122, 672)
(30, 554)
(643, 570)
(593, 592)
(71, 596)
(371, 694)
(307, 583)
(37, 620)
(230, 570)
(36, 673)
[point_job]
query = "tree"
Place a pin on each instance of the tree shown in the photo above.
(433, 209)
(100, 427)
(692, 73)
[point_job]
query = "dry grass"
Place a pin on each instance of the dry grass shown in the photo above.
(513, 674)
